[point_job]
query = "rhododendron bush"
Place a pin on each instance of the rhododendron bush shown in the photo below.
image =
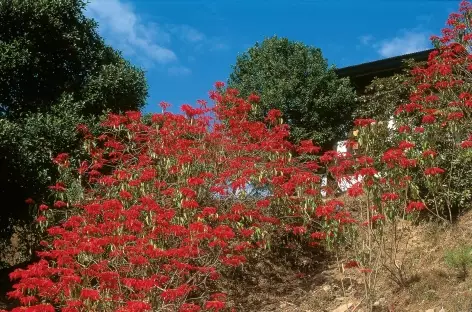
(162, 208)
(421, 164)
(427, 156)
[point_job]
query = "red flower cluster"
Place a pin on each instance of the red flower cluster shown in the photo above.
(168, 204)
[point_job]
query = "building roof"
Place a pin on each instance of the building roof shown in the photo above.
(361, 75)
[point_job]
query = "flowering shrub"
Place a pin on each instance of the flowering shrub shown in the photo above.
(427, 157)
(162, 208)
(421, 164)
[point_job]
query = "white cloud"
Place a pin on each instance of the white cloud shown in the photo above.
(179, 71)
(200, 41)
(187, 33)
(408, 42)
(121, 25)
(148, 42)
(366, 39)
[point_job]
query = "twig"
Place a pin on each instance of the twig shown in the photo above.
(354, 309)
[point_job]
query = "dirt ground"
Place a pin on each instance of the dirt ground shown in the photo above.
(319, 285)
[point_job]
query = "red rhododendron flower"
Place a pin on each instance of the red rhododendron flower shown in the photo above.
(355, 190)
(125, 194)
(298, 230)
(419, 129)
(415, 206)
(351, 264)
(318, 235)
(29, 201)
(60, 204)
(164, 105)
(466, 144)
(377, 217)
(91, 294)
(404, 145)
(433, 171)
(273, 115)
(324, 211)
(254, 98)
(62, 159)
(59, 187)
(404, 129)
(195, 181)
(170, 295)
(363, 122)
(307, 146)
(455, 116)
(390, 196)
(429, 153)
(219, 84)
(214, 305)
(263, 203)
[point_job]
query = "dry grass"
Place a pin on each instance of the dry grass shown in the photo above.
(431, 283)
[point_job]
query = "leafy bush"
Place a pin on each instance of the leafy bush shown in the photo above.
(460, 259)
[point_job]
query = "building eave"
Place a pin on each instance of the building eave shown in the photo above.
(392, 63)
(361, 75)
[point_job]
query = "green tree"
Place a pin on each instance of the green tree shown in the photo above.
(296, 79)
(56, 72)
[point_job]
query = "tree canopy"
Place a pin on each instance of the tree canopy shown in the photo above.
(297, 80)
(56, 72)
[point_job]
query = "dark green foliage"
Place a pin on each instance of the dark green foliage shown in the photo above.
(55, 72)
(48, 47)
(384, 95)
(296, 79)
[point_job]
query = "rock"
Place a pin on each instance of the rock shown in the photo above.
(442, 310)
(343, 308)
(380, 302)
(341, 298)
(327, 288)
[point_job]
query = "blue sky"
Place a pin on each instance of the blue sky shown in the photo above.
(185, 46)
